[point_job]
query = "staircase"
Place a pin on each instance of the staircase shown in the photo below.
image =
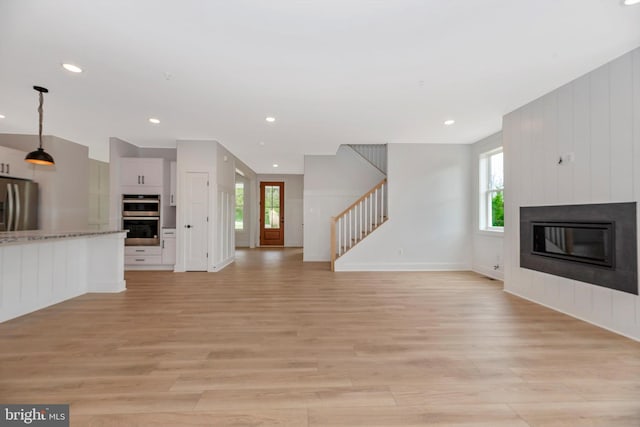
(376, 154)
(359, 220)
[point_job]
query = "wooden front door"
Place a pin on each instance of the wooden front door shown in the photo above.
(272, 213)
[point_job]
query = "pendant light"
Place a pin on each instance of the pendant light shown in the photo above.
(40, 157)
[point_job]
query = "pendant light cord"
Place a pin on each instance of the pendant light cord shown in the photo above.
(40, 121)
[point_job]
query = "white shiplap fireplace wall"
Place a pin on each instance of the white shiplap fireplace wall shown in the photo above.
(594, 124)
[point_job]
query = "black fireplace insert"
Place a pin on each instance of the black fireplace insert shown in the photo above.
(595, 243)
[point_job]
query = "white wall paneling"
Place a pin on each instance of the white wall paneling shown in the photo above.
(38, 274)
(224, 245)
(599, 120)
(593, 124)
(621, 127)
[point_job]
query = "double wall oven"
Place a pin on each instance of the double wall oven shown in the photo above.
(141, 216)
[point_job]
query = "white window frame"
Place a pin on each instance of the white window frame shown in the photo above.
(486, 192)
(244, 203)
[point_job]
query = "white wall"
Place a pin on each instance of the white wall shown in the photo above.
(429, 226)
(293, 206)
(220, 164)
(331, 184)
(64, 187)
(193, 156)
(224, 188)
(487, 246)
(597, 118)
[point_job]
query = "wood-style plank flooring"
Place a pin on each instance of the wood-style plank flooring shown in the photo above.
(274, 341)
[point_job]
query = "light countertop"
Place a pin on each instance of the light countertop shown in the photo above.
(31, 236)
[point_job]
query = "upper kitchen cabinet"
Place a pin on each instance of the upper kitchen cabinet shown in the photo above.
(12, 164)
(98, 194)
(142, 175)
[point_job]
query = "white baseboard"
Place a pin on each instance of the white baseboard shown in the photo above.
(159, 267)
(108, 287)
(489, 272)
(222, 264)
(400, 266)
(631, 337)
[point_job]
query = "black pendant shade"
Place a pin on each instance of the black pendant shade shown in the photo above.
(40, 157)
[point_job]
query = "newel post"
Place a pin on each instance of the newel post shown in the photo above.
(333, 243)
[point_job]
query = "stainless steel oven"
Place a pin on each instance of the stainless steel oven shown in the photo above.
(140, 205)
(141, 217)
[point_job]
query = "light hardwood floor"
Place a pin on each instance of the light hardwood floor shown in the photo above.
(274, 341)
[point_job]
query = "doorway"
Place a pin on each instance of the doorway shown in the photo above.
(196, 221)
(272, 214)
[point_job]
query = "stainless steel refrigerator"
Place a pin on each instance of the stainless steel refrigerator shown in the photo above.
(18, 204)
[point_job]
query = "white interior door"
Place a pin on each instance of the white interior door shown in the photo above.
(196, 224)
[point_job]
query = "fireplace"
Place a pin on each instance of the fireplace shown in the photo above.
(594, 243)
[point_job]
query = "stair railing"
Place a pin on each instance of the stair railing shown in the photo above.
(357, 221)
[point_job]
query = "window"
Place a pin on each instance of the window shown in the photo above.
(239, 205)
(272, 206)
(492, 191)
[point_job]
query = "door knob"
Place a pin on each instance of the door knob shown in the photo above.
(187, 226)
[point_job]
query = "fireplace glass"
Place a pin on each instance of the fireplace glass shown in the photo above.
(590, 243)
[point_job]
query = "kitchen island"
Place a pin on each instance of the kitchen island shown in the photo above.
(42, 268)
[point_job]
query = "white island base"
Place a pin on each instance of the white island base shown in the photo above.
(39, 269)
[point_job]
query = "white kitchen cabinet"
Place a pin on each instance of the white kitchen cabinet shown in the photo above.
(142, 255)
(141, 172)
(173, 193)
(168, 246)
(12, 164)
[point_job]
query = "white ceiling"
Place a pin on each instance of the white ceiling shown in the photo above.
(330, 71)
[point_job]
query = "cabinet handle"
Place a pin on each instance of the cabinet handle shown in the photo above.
(163, 244)
(8, 168)
(140, 259)
(142, 179)
(2, 168)
(172, 199)
(139, 250)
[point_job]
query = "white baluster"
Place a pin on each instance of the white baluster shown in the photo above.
(375, 213)
(339, 235)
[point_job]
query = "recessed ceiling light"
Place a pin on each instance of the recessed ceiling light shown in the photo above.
(72, 68)
(449, 122)
(270, 119)
(154, 120)
(2, 116)
(261, 142)
(275, 165)
(631, 2)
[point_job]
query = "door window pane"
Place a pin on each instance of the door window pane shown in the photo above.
(272, 206)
